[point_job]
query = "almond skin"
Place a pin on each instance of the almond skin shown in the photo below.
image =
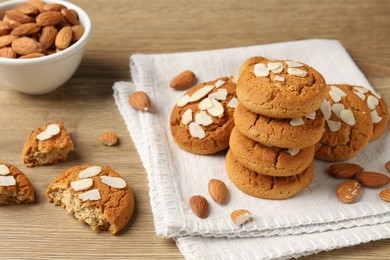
(218, 191)
(240, 216)
(199, 206)
(7, 40)
(49, 18)
(77, 32)
(25, 45)
(37, 4)
(385, 195)
(53, 7)
(48, 36)
(64, 37)
(19, 17)
(70, 16)
(373, 179)
(108, 138)
(7, 52)
(27, 9)
(26, 29)
(348, 191)
(140, 100)
(183, 81)
(10, 22)
(345, 170)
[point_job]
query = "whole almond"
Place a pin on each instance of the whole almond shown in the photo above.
(108, 138)
(385, 195)
(218, 191)
(183, 81)
(373, 179)
(27, 9)
(53, 7)
(64, 37)
(49, 18)
(240, 216)
(10, 22)
(26, 29)
(7, 40)
(19, 17)
(387, 166)
(70, 16)
(32, 55)
(7, 52)
(345, 170)
(48, 36)
(140, 100)
(26, 45)
(199, 206)
(37, 4)
(77, 32)
(348, 191)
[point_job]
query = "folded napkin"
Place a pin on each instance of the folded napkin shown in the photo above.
(175, 175)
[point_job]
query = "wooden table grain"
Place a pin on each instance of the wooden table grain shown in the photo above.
(85, 103)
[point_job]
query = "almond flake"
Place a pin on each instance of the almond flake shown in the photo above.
(186, 118)
(217, 109)
(279, 78)
(115, 182)
(336, 108)
(326, 109)
(196, 131)
(293, 151)
(7, 181)
(90, 195)
(297, 121)
(201, 93)
(339, 91)
(275, 67)
(377, 94)
(205, 104)
(261, 70)
(4, 170)
(361, 95)
(361, 89)
(184, 100)
(221, 94)
(348, 117)
(294, 64)
(43, 136)
(235, 79)
(297, 72)
(311, 116)
(83, 184)
(335, 96)
(333, 125)
(202, 118)
(219, 83)
(233, 103)
(375, 117)
(53, 129)
(90, 172)
(372, 102)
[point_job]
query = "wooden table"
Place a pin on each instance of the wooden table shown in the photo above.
(86, 105)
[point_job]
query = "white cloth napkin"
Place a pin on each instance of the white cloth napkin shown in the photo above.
(175, 175)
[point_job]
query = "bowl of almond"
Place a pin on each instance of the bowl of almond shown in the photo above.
(41, 44)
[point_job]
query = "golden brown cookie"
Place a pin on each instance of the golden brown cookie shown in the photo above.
(273, 161)
(263, 186)
(379, 111)
(348, 126)
(15, 188)
(202, 119)
(280, 89)
(96, 195)
(299, 132)
(47, 145)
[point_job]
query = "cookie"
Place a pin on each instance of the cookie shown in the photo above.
(298, 132)
(96, 195)
(15, 188)
(273, 161)
(47, 145)
(379, 111)
(263, 186)
(280, 89)
(348, 125)
(202, 119)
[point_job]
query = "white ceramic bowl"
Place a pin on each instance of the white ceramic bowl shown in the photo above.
(42, 75)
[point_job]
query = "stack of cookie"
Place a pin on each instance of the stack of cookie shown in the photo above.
(277, 124)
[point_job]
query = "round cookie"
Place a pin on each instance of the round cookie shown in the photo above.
(15, 188)
(202, 119)
(284, 133)
(273, 161)
(263, 186)
(280, 89)
(348, 126)
(96, 195)
(379, 111)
